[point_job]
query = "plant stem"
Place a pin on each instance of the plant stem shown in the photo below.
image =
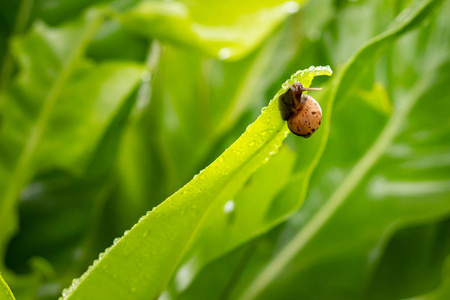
(145, 89)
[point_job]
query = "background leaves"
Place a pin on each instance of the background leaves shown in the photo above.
(139, 109)
(226, 29)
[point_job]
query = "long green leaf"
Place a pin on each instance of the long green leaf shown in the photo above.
(141, 263)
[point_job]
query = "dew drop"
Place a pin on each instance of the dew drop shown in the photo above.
(77, 253)
(263, 134)
(142, 218)
(224, 53)
(228, 207)
(146, 76)
(291, 7)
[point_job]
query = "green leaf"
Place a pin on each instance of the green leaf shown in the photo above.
(14, 17)
(55, 13)
(228, 29)
(443, 290)
(353, 73)
(400, 274)
(5, 292)
(57, 108)
(141, 263)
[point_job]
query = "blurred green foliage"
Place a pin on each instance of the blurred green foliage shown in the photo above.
(109, 107)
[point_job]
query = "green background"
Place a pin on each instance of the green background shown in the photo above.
(110, 108)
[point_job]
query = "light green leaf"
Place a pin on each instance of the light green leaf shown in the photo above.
(5, 292)
(224, 29)
(141, 263)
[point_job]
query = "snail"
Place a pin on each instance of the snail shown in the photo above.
(301, 111)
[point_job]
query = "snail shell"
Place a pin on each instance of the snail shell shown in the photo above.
(302, 112)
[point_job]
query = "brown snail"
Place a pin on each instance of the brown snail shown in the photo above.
(301, 111)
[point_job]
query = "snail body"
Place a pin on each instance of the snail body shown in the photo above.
(302, 112)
